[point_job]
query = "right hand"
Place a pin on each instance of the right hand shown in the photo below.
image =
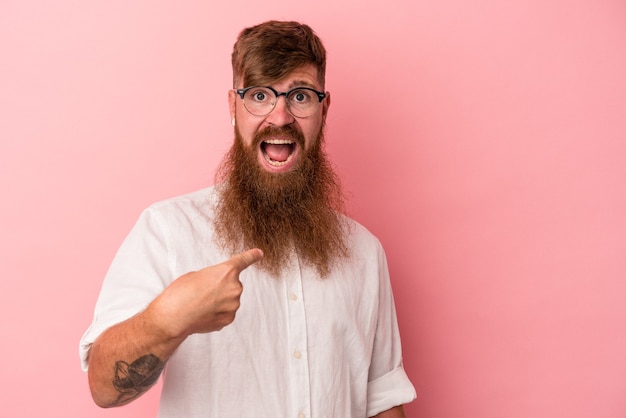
(202, 301)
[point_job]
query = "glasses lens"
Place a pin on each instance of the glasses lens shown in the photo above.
(259, 100)
(302, 102)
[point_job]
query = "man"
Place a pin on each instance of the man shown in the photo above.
(315, 331)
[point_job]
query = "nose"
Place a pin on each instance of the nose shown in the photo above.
(280, 116)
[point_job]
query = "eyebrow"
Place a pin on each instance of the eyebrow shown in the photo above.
(300, 83)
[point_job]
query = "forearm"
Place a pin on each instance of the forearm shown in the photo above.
(127, 359)
(396, 412)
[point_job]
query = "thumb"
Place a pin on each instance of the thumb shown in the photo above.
(247, 258)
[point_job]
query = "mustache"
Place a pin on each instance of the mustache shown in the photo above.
(286, 132)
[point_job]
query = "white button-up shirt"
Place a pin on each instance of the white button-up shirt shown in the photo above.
(300, 346)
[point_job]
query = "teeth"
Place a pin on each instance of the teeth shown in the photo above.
(279, 141)
(276, 163)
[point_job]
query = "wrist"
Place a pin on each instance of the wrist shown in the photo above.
(158, 323)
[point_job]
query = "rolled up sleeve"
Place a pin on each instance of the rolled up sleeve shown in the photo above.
(390, 390)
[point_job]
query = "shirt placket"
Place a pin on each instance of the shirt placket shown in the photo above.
(297, 350)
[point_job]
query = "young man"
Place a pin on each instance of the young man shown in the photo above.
(315, 331)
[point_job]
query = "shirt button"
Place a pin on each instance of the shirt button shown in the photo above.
(293, 296)
(297, 354)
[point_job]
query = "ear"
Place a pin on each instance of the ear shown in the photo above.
(232, 103)
(326, 104)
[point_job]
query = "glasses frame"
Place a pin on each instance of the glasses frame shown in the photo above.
(242, 92)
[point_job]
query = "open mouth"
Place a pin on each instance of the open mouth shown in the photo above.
(278, 152)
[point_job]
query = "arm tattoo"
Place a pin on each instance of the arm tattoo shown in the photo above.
(132, 380)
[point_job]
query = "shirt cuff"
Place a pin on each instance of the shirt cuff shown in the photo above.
(98, 326)
(392, 389)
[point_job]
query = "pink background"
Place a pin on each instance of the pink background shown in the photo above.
(484, 142)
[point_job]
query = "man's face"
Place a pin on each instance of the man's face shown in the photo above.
(276, 160)
(278, 138)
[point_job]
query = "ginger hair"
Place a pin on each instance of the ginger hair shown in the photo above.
(269, 51)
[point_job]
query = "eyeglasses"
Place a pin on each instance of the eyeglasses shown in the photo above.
(301, 101)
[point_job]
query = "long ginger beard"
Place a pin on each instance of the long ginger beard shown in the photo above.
(296, 213)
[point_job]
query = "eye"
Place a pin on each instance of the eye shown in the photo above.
(301, 96)
(259, 95)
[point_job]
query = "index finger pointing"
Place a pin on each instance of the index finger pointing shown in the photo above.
(247, 258)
